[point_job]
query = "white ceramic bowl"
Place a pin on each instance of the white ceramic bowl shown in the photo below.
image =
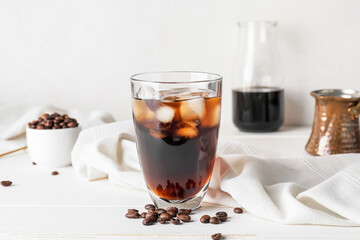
(51, 147)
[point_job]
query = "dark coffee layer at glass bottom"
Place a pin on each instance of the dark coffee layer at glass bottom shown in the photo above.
(258, 109)
(176, 167)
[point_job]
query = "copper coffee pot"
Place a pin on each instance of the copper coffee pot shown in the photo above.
(336, 122)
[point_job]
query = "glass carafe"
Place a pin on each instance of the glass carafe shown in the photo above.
(257, 92)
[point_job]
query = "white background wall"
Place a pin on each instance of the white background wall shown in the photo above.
(80, 54)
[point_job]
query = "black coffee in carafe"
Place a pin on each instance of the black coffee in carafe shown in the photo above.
(257, 81)
(258, 109)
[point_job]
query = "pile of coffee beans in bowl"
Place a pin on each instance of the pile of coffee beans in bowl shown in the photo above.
(53, 121)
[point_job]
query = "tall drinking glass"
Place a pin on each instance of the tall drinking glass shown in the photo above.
(176, 117)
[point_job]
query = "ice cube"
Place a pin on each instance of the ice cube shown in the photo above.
(165, 114)
(175, 94)
(141, 111)
(205, 93)
(146, 92)
(187, 130)
(192, 109)
(157, 134)
(212, 117)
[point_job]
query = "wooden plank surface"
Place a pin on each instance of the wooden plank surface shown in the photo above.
(42, 206)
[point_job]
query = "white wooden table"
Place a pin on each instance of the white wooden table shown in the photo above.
(42, 206)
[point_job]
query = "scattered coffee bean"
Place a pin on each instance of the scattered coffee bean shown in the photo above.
(160, 211)
(214, 220)
(33, 163)
(147, 222)
(132, 215)
(205, 219)
(185, 211)
(55, 173)
(175, 221)
(6, 183)
(53, 121)
(149, 206)
(151, 211)
(216, 236)
(238, 210)
(172, 213)
(175, 216)
(223, 218)
(174, 209)
(151, 216)
(183, 217)
(218, 214)
(166, 216)
(133, 210)
(162, 220)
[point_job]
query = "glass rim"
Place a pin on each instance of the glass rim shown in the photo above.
(252, 23)
(217, 77)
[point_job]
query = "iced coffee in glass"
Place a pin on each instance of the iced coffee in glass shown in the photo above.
(176, 117)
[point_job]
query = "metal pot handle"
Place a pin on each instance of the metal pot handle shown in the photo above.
(355, 110)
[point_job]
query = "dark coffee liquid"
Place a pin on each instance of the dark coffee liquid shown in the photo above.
(177, 158)
(258, 109)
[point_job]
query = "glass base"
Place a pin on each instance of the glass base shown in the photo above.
(190, 203)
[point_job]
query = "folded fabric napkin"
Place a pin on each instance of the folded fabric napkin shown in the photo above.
(313, 190)
(14, 118)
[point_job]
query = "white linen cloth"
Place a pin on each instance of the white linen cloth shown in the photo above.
(14, 118)
(312, 190)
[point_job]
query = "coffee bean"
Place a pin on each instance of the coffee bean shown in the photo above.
(172, 213)
(223, 218)
(238, 210)
(160, 211)
(132, 215)
(165, 216)
(214, 220)
(218, 214)
(152, 211)
(175, 221)
(60, 119)
(143, 215)
(174, 209)
(133, 210)
(72, 124)
(162, 220)
(55, 173)
(183, 217)
(33, 163)
(44, 116)
(149, 206)
(6, 183)
(151, 216)
(53, 121)
(147, 222)
(205, 219)
(216, 236)
(185, 211)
